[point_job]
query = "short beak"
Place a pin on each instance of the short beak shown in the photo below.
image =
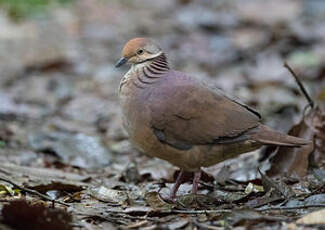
(121, 62)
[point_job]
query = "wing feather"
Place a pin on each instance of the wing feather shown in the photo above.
(188, 113)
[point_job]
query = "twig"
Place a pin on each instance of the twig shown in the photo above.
(142, 218)
(292, 208)
(121, 214)
(27, 190)
(201, 211)
(256, 209)
(209, 186)
(301, 86)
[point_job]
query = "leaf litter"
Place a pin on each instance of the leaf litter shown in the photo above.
(65, 157)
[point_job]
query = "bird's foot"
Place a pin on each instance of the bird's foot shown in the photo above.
(178, 182)
(196, 180)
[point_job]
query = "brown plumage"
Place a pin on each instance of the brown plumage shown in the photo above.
(172, 116)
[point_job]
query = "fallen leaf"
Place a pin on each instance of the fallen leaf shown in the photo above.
(80, 150)
(154, 200)
(253, 188)
(177, 224)
(313, 218)
(105, 194)
(57, 186)
(245, 217)
(197, 201)
(41, 173)
(312, 200)
(43, 179)
(21, 215)
(4, 189)
(293, 161)
(317, 121)
(141, 210)
(315, 199)
(228, 196)
(279, 187)
(266, 199)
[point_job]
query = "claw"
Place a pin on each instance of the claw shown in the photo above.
(179, 181)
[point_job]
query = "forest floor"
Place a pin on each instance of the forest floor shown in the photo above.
(65, 160)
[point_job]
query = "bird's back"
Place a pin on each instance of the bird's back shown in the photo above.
(195, 112)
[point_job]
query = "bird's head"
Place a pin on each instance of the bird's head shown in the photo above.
(139, 50)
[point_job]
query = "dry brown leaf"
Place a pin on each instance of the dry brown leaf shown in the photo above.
(105, 194)
(279, 187)
(294, 161)
(313, 218)
(21, 215)
(154, 200)
(317, 121)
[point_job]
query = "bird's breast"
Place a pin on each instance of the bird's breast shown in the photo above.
(135, 112)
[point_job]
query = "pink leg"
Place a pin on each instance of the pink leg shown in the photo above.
(176, 185)
(196, 180)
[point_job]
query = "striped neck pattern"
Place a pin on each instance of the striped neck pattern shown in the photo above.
(151, 71)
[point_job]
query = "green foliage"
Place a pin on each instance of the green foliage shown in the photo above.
(20, 9)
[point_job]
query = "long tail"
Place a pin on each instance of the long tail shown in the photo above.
(266, 135)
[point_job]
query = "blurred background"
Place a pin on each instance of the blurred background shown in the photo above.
(60, 124)
(58, 84)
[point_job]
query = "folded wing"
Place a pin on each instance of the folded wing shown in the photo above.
(189, 113)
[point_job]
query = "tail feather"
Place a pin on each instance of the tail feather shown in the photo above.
(268, 136)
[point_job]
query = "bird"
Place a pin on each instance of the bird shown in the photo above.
(178, 118)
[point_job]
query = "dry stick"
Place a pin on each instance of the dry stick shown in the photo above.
(205, 211)
(170, 211)
(301, 86)
(291, 208)
(121, 214)
(257, 209)
(33, 192)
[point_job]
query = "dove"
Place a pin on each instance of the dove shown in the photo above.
(176, 117)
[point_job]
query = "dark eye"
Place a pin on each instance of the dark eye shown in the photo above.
(140, 52)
